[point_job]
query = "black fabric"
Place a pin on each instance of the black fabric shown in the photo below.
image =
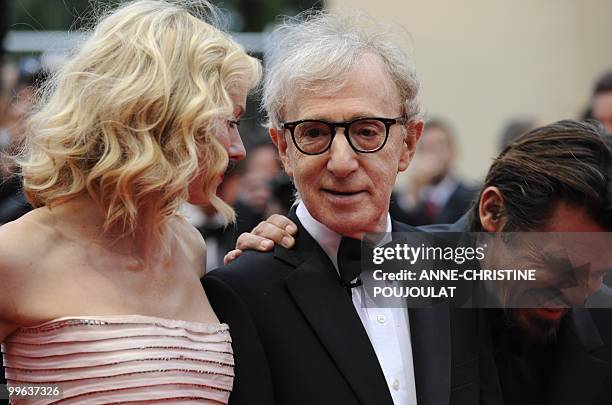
(247, 218)
(13, 208)
(310, 344)
(349, 263)
(573, 369)
(250, 359)
(525, 369)
(6, 19)
(13, 203)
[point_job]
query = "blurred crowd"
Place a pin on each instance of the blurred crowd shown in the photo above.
(257, 187)
(18, 88)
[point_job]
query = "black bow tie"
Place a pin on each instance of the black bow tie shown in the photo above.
(349, 263)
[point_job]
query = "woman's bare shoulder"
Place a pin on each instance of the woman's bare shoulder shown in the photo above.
(23, 246)
(22, 240)
(192, 241)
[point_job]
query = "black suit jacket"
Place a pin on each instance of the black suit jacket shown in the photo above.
(576, 370)
(459, 202)
(585, 366)
(298, 339)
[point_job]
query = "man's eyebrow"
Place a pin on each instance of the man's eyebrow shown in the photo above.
(352, 117)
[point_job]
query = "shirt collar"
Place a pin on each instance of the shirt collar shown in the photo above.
(325, 237)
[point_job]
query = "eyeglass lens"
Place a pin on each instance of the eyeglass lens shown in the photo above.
(365, 135)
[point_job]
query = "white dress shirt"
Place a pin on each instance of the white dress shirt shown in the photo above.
(387, 328)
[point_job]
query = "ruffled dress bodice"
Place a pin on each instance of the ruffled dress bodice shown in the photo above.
(126, 358)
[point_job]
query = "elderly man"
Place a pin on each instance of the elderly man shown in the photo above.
(341, 98)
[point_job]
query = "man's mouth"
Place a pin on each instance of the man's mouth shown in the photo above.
(343, 193)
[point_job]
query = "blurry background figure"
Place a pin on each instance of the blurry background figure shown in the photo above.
(283, 194)
(253, 204)
(435, 195)
(5, 22)
(19, 97)
(601, 103)
(219, 238)
(9, 74)
(515, 128)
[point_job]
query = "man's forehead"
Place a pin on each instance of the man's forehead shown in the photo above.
(570, 217)
(366, 90)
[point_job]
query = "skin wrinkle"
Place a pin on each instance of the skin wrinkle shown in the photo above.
(368, 177)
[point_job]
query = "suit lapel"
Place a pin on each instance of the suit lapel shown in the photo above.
(431, 353)
(579, 365)
(430, 336)
(316, 289)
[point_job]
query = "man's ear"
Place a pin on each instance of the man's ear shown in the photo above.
(491, 210)
(278, 138)
(413, 134)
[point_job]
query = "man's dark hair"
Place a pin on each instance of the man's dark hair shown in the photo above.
(565, 161)
(603, 84)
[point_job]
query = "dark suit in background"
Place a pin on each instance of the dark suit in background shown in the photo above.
(298, 338)
(458, 203)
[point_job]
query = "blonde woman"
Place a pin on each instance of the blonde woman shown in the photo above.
(100, 290)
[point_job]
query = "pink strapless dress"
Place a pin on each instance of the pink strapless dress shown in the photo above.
(122, 359)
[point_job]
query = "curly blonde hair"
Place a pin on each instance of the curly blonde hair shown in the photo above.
(130, 119)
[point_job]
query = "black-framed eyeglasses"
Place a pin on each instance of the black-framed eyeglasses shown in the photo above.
(365, 135)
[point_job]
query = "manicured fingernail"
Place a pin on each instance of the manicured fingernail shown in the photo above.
(291, 228)
(286, 242)
(266, 244)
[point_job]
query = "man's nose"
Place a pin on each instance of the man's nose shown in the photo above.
(236, 150)
(342, 158)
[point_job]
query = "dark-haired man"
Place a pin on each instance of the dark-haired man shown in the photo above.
(553, 179)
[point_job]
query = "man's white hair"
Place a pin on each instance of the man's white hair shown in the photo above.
(315, 50)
